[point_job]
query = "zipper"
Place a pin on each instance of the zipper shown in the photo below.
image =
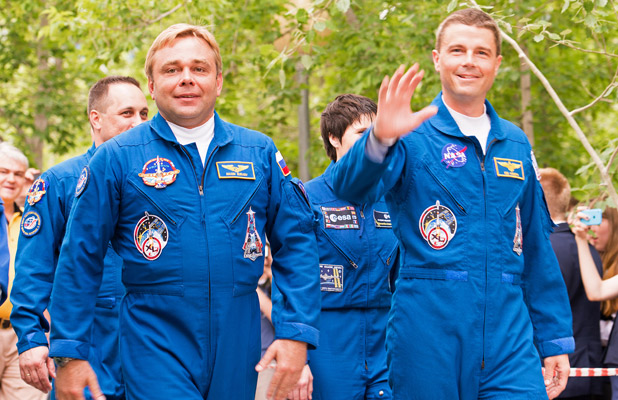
(153, 202)
(182, 148)
(348, 259)
(459, 205)
(201, 186)
(247, 202)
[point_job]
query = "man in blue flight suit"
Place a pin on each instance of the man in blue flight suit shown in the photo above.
(186, 201)
(357, 251)
(479, 295)
(115, 104)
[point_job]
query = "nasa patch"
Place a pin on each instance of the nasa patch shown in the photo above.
(82, 181)
(37, 191)
(331, 278)
(159, 172)
(454, 155)
(30, 223)
(438, 226)
(150, 236)
(340, 217)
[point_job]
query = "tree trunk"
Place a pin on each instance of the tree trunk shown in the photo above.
(303, 123)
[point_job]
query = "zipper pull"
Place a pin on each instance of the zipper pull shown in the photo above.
(201, 190)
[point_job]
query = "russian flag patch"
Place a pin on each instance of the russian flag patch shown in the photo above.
(282, 164)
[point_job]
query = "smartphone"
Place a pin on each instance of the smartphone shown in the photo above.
(595, 215)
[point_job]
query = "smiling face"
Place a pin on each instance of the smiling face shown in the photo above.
(467, 62)
(352, 133)
(185, 83)
(602, 233)
(12, 179)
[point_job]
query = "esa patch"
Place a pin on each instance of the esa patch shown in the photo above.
(382, 219)
(235, 170)
(508, 168)
(454, 155)
(438, 226)
(340, 217)
(253, 245)
(37, 191)
(150, 236)
(282, 165)
(30, 223)
(82, 181)
(159, 172)
(331, 278)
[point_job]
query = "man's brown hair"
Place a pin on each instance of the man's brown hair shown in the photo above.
(470, 17)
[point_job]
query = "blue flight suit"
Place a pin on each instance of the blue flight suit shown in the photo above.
(5, 256)
(357, 251)
(191, 238)
(479, 288)
(52, 196)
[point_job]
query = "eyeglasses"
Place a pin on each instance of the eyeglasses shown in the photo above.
(17, 174)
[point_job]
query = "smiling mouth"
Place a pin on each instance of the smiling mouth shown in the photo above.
(187, 96)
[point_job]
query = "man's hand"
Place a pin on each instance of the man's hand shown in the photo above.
(291, 356)
(73, 378)
(395, 118)
(556, 374)
(36, 368)
(304, 387)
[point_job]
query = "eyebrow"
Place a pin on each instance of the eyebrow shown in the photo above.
(194, 61)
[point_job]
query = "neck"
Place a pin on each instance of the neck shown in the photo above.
(469, 107)
(9, 209)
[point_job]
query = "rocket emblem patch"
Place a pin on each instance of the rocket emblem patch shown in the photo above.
(159, 172)
(331, 278)
(150, 236)
(518, 242)
(438, 226)
(454, 155)
(253, 244)
(37, 191)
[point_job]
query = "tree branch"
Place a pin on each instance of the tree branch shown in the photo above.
(599, 98)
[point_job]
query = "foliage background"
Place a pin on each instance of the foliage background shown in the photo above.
(51, 51)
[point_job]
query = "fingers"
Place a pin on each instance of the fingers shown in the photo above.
(393, 86)
(95, 389)
(274, 384)
(51, 367)
(548, 375)
(269, 356)
(411, 75)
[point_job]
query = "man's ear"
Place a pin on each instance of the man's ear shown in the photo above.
(336, 143)
(95, 119)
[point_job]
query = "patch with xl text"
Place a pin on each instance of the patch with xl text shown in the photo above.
(454, 155)
(150, 236)
(30, 223)
(509, 168)
(382, 219)
(438, 225)
(159, 172)
(235, 170)
(37, 191)
(253, 243)
(340, 217)
(331, 278)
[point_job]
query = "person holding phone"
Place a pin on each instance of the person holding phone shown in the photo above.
(605, 241)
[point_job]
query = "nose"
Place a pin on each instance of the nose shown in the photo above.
(469, 59)
(187, 77)
(136, 120)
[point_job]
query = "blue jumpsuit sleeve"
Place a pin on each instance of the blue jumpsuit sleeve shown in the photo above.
(544, 289)
(296, 304)
(35, 265)
(356, 178)
(5, 256)
(79, 272)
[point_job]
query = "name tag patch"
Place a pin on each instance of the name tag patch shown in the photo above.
(508, 168)
(340, 217)
(331, 278)
(382, 219)
(235, 170)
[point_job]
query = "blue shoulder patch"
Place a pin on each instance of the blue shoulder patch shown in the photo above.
(30, 223)
(37, 191)
(82, 182)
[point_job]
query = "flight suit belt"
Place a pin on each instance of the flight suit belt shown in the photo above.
(5, 323)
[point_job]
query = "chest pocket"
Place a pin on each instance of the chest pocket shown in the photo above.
(449, 186)
(151, 241)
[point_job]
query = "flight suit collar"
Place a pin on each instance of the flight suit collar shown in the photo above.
(222, 134)
(444, 122)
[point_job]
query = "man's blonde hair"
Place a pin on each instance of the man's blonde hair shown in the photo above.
(178, 31)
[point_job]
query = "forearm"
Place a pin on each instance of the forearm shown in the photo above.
(596, 288)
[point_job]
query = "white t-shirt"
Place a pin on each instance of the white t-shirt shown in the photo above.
(201, 136)
(478, 127)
